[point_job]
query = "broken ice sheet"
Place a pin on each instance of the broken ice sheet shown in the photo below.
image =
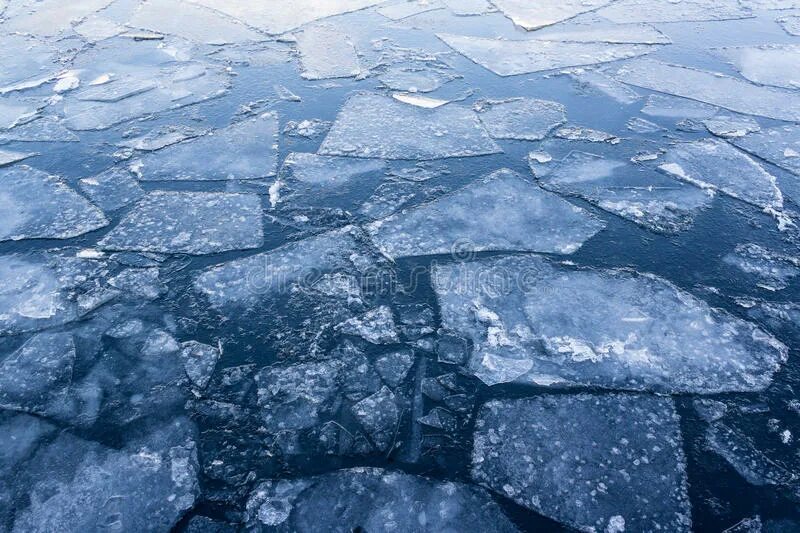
(8, 157)
(43, 129)
(604, 33)
(379, 415)
(159, 138)
(579, 133)
(376, 326)
(729, 126)
(532, 16)
(48, 18)
(374, 500)
(525, 119)
(35, 205)
(662, 105)
(669, 11)
(773, 270)
(530, 323)
(469, 7)
(779, 145)
(790, 24)
(507, 57)
(617, 463)
(711, 88)
(600, 82)
(192, 22)
(406, 8)
(413, 79)
(766, 64)
(502, 211)
(718, 166)
(325, 52)
(199, 361)
(189, 222)
(112, 189)
(247, 149)
(628, 190)
(375, 126)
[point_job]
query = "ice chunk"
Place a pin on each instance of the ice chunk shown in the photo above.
(661, 105)
(502, 211)
(245, 150)
(376, 326)
(15, 111)
(605, 84)
(199, 361)
(35, 378)
(189, 222)
(141, 282)
(34, 205)
(7, 157)
(715, 89)
(773, 270)
(379, 415)
(469, 7)
(533, 16)
(730, 126)
(43, 129)
(27, 62)
(790, 24)
(529, 322)
(49, 18)
(579, 133)
(419, 101)
(716, 165)
(371, 125)
(112, 189)
(412, 79)
(627, 190)
(525, 119)
(159, 138)
(779, 145)
(595, 463)
(373, 500)
(325, 52)
(309, 128)
(669, 11)
(511, 57)
(191, 22)
(767, 64)
(393, 367)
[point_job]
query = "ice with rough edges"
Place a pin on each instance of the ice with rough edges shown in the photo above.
(773, 270)
(526, 119)
(247, 149)
(535, 322)
(375, 126)
(500, 212)
(532, 16)
(36, 205)
(189, 222)
(373, 499)
(112, 189)
(630, 191)
(378, 414)
(593, 462)
(512, 57)
(326, 53)
(779, 145)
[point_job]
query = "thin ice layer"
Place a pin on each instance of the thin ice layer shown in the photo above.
(773, 270)
(112, 189)
(511, 57)
(780, 146)
(527, 119)
(502, 211)
(535, 322)
(716, 165)
(766, 64)
(34, 205)
(670, 11)
(326, 52)
(627, 190)
(596, 463)
(711, 88)
(534, 15)
(189, 222)
(244, 150)
(375, 126)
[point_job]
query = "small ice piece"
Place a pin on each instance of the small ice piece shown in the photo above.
(379, 415)
(631, 191)
(376, 326)
(419, 101)
(245, 150)
(641, 125)
(191, 22)
(712, 88)
(578, 133)
(501, 212)
(189, 222)
(374, 126)
(529, 322)
(667, 11)
(112, 189)
(773, 270)
(140, 282)
(411, 79)
(511, 57)
(393, 367)
(310, 128)
(199, 361)
(731, 126)
(325, 52)
(779, 145)
(34, 205)
(790, 24)
(532, 16)
(36, 377)
(452, 349)
(373, 499)
(8, 157)
(526, 119)
(592, 462)
(718, 166)
(662, 105)
(774, 65)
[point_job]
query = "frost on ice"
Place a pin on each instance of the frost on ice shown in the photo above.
(244, 150)
(530, 322)
(502, 211)
(627, 190)
(374, 126)
(511, 57)
(596, 463)
(372, 499)
(189, 222)
(35, 205)
(525, 119)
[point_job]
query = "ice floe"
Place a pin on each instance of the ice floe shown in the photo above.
(773, 270)
(766, 64)
(112, 189)
(326, 52)
(526, 119)
(534, 16)
(779, 145)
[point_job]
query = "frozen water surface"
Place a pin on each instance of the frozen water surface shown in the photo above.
(402, 265)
